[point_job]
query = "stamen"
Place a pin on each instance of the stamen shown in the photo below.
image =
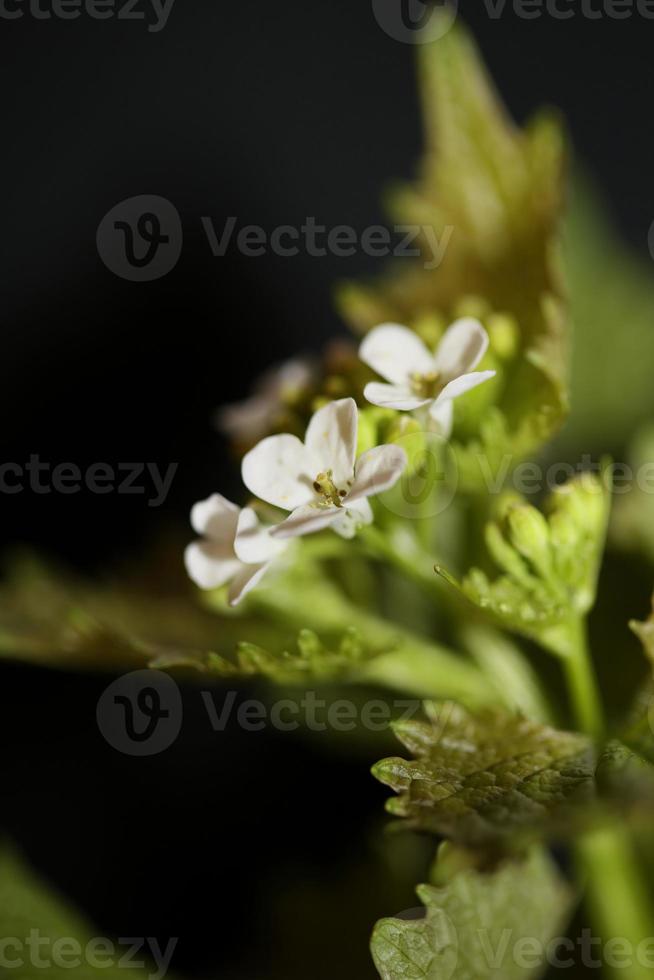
(425, 385)
(330, 493)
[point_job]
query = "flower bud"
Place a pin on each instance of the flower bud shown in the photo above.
(530, 535)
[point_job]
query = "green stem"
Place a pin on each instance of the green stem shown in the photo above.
(406, 661)
(411, 560)
(617, 899)
(582, 683)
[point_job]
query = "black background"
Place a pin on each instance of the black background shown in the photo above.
(269, 112)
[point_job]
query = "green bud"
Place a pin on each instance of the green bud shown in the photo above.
(504, 335)
(505, 556)
(530, 535)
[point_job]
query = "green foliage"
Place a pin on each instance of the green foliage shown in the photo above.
(50, 617)
(486, 778)
(626, 767)
(27, 904)
(549, 564)
(478, 925)
(632, 523)
(311, 661)
(611, 291)
(497, 192)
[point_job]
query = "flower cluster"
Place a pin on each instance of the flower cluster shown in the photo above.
(321, 482)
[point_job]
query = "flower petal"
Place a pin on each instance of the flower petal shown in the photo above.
(332, 439)
(253, 543)
(207, 567)
(216, 517)
(247, 578)
(441, 418)
(395, 352)
(306, 520)
(280, 471)
(399, 397)
(247, 420)
(352, 517)
(466, 382)
(377, 470)
(463, 345)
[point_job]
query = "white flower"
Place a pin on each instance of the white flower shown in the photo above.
(422, 380)
(236, 548)
(248, 420)
(318, 479)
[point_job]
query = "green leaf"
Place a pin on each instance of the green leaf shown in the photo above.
(611, 292)
(625, 773)
(27, 904)
(479, 925)
(632, 521)
(52, 618)
(550, 564)
(497, 192)
(486, 777)
(311, 661)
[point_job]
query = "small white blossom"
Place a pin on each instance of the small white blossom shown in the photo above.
(248, 420)
(318, 480)
(235, 548)
(422, 380)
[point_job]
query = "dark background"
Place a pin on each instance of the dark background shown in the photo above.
(269, 112)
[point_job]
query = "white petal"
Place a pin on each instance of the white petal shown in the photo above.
(463, 345)
(247, 420)
(253, 543)
(441, 418)
(247, 578)
(206, 566)
(332, 439)
(466, 382)
(377, 470)
(395, 352)
(306, 520)
(352, 517)
(280, 471)
(399, 397)
(216, 518)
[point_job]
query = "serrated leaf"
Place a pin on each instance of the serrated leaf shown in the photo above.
(473, 926)
(485, 777)
(50, 617)
(497, 191)
(625, 773)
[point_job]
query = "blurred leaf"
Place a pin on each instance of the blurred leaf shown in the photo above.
(632, 521)
(311, 661)
(645, 633)
(612, 302)
(486, 777)
(473, 924)
(27, 904)
(497, 191)
(50, 617)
